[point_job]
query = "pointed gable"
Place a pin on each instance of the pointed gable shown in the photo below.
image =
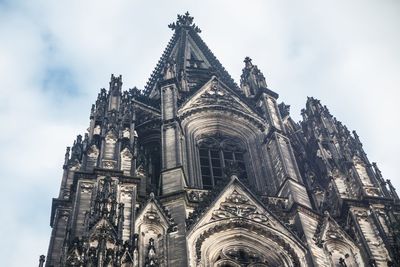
(330, 230)
(152, 213)
(215, 94)
(100, 229)
(337, 243)
(237, 219)
(237, 202)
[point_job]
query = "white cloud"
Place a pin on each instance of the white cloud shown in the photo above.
(55, 55)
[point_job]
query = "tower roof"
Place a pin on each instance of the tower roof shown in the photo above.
(193, 60)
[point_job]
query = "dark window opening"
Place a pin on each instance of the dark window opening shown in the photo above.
(215, 154)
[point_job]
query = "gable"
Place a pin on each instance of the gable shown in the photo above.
(215, 95)
(236, 202)
(101, 228)
(331, 231)
(152, 214)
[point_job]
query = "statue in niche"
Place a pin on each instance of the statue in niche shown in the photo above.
(170, 70)
(184, 82)
(151, 258)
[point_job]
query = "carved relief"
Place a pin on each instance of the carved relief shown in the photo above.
(86, 188)
(64, 215)
(238, 205)
(126, 191)
(126, 161)
(371, 234)
(151, 216)
(196, 195)
(109, 164)
(217, 95)
(109, 147)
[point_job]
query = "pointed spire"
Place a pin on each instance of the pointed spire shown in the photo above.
(194, 62)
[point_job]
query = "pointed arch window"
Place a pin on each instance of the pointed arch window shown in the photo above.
(215, 154)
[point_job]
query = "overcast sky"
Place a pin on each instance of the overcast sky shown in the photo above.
(56, 55)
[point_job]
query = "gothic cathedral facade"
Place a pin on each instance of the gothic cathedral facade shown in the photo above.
(196, 170)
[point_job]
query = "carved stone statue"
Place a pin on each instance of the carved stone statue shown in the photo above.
(170, 70)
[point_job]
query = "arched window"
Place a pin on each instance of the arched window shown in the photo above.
(216, 153)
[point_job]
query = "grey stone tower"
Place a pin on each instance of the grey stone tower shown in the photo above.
(195, 170)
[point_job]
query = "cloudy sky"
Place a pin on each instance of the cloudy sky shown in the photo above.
(56, 55)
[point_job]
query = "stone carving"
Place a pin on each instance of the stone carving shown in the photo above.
(151, 258)
(86, 188)
(251, 79)
(196, 195)
(170, 70)
(182, 21)
(302, 169)
(97, 130)
(126, 133)
(238, 205)
(109, 164)
(216, 95)
(64, 215)
(152, 216)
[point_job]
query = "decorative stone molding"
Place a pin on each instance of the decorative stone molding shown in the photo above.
(238, 205)
(87, 188)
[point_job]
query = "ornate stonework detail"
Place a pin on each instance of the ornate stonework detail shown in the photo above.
(288, 256)
(93, 151)
(151, 216)
(238, 205)
(196, 171)
(184, 21)
(86, 188)
(196, 195)
(109, 164)
(216, 95)
(64, 215)
(126, 191)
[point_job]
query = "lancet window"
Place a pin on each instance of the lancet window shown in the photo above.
(216, 155)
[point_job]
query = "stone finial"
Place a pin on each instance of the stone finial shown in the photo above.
(42, 259)
(247, 61)
(184, 21)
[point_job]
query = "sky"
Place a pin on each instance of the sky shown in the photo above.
(56, 55)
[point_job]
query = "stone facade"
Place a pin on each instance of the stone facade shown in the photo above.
(196, 170)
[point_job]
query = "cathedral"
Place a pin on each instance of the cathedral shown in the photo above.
(197, 170)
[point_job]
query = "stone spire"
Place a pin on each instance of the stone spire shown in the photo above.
(188, 59)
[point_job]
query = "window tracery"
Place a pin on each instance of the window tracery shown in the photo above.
(216, 154)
